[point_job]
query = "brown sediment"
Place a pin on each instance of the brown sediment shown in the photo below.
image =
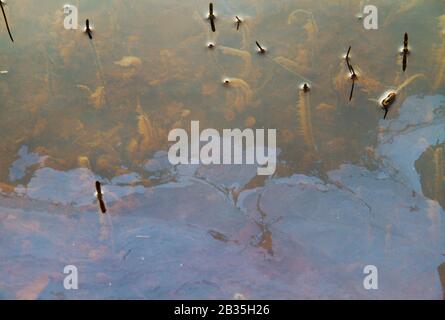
(97, 98)
(83, 162)
(265, 240)
(305, 120)
(151, 136)
(441, 271)
(102, 86)
(440, 62)
(438, 172)
(6, 188)
(249, 122)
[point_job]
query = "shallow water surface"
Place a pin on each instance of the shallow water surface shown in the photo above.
(351, 189)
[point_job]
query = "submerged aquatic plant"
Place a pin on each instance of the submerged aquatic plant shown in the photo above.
(243, 93)
(246, 56)
(305, 118)
(290, 66)
(440, 56)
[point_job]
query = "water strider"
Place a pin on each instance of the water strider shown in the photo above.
(212, 17)
(238, 22)
(88, 30)
(405, 52)
(390, 96)
(260, 48)
(176, 72)
(6, 19)
(100, 198)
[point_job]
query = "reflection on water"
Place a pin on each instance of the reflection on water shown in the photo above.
(351, 189)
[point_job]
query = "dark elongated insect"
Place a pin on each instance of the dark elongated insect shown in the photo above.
(6, 20)
(238, 22)
(88, 29)
(386, 103)
(404, 62)
(405, 52)
(99, 196)
(352, 90)
(262, 50)
(347, 59)
(353, 78)
(212, 17)
(405, 42)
